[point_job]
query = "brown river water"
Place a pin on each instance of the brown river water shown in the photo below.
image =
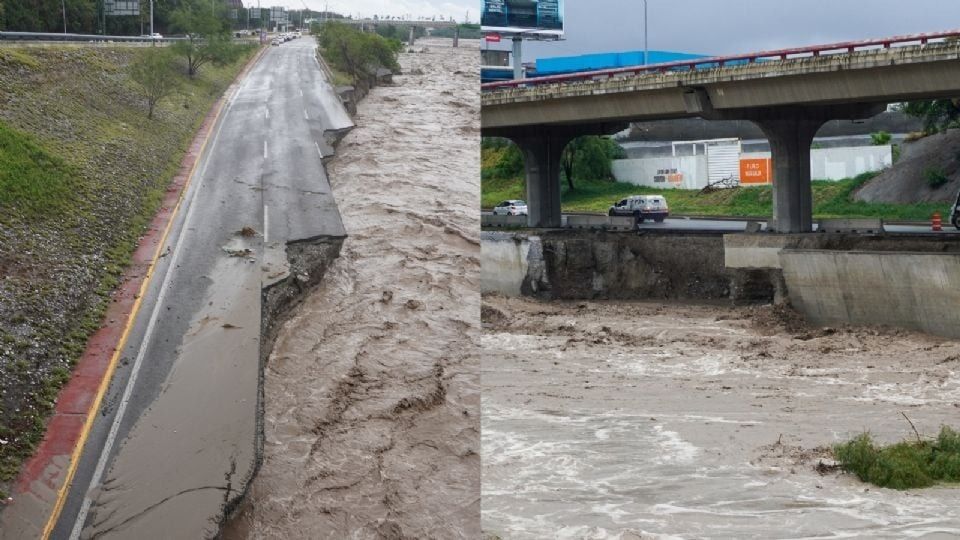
(645, 420)
(372, 413)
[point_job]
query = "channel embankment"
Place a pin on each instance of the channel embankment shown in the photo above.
(900, 280)
(83, 173)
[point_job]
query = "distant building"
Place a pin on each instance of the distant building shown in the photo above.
(597, 61)
(496, 64)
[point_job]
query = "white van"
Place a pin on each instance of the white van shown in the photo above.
(642, 207)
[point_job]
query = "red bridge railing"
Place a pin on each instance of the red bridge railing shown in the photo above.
(782, 54)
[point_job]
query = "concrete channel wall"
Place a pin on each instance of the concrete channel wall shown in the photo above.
(595, 264)
(915, 290)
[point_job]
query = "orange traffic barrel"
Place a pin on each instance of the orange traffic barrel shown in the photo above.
(937, 222)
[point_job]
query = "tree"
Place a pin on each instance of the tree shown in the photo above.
(589, 158)
(357, 53)
(937, 114)
(155, 72)
(208, 38)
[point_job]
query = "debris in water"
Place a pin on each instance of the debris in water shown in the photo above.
(387, 297)
(229, 326)
(414, 304)
(247, 232)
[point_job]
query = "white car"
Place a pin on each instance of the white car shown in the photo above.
(512, 207)
(642, 207)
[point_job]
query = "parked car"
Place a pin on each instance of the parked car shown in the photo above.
(512, 207)
(642, 207)
(275, 42)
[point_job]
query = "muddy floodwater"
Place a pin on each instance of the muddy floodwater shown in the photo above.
(644, 420)
(372, 391)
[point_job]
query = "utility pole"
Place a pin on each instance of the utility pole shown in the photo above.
(63, 4)
(151, 18)
(646, 49)
(517, 57)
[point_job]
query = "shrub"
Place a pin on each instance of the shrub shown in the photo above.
(935, 177)
(880, 138)
(904, 465)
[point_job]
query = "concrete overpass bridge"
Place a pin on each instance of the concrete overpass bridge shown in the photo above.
(412, 24)
(788, 93)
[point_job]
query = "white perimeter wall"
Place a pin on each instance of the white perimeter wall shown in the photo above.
(643, 172)
(825, 164)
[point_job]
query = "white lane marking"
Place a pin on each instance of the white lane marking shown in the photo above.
(266, 224)
(301, 92)
(305, 114)
(264, 149)
(141, 353)
(315, 143)
(266, 113)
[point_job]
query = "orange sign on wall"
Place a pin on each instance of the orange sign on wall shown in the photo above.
(755, 171)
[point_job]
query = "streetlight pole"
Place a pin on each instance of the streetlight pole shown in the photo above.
(63, 6)
(646, 49)
(151, 18)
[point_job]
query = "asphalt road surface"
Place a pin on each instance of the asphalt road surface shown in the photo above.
(734, 225)
(176, 436)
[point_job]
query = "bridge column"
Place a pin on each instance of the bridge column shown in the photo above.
(456, 36)
(790, 137)
(412, 35)
(790, 131)
(541, 153)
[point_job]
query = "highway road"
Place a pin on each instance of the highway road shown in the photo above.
(176, 438)
(737, 225)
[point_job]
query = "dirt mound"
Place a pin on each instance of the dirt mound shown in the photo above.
(906, 181)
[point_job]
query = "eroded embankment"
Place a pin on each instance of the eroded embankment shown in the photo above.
(640, 419)
(371, 407)
(624, 266)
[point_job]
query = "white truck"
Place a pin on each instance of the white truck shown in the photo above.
(642, 207)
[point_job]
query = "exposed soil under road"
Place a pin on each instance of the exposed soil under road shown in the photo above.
(372, 392)
(639, 420)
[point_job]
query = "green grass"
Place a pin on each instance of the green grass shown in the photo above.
(904, 465)
(31, 177)
(831, 199)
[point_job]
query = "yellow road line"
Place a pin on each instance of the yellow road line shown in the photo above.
(111, 368)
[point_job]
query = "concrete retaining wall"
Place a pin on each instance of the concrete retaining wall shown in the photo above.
(915, 290)
(620, 223)
(597, 264)
(490, 220)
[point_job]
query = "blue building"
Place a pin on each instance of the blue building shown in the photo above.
(592, 62)
(585, 62)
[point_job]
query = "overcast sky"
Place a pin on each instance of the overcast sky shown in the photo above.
(418, 8)
(718, 27)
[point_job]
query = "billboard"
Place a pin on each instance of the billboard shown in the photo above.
(119, 8)
(543, 17)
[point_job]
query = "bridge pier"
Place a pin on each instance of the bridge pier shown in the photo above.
(541, 156)
(456, 36)
(542, 147)
(790, 130)
(790, 137)
(413, 35)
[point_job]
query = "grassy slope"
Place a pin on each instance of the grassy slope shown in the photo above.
(831, 199)
(82, 171)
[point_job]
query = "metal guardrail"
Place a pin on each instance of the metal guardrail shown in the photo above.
(721, 61)
(46, 36)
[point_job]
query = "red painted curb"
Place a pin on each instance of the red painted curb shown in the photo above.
(44, 471)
